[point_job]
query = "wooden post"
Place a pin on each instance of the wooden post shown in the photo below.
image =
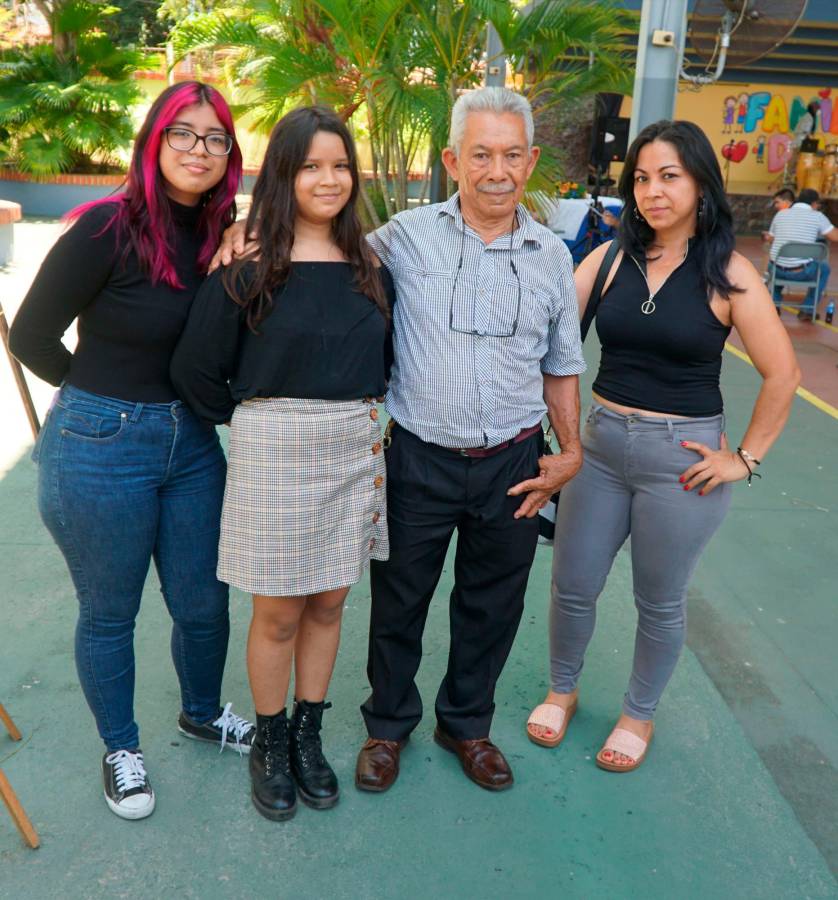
(18, 813)
(6, 719)
(20, 378)
(16, 810)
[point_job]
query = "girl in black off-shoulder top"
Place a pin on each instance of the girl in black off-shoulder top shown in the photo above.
(291, 346)
(323, 340)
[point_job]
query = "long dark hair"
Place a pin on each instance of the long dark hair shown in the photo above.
(141, 213)
(274, 211)
(714, 226)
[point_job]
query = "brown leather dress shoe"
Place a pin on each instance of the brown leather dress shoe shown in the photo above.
(378, 764)
(481, 760)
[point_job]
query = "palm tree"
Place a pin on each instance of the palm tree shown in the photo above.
(393, 68)
(66, 105)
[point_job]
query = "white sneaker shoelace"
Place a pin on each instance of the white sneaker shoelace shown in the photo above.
(234, 725)
(129, 771)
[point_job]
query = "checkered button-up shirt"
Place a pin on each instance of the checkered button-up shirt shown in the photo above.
(461, 377)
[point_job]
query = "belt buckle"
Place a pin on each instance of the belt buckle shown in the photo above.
(463, 451)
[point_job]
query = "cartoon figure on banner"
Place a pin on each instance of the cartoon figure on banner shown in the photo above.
(741, 113)
(729, 114)
(759, 149)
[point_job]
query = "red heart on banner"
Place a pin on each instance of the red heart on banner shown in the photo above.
(825, 93)
(735, 152)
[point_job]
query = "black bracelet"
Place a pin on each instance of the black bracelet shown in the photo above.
(751, 472)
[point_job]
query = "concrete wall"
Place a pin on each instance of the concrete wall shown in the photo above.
(51, 200)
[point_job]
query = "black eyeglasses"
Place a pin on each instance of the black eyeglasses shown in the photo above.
(498, 334)
(217, 143)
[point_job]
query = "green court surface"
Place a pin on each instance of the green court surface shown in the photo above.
(738, 797)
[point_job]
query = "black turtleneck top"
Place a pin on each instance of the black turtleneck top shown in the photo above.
(127, 327)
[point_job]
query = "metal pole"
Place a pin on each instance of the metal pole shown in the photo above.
(660, 52)
(495, 59)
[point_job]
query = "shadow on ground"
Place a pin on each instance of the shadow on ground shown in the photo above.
(734, 800)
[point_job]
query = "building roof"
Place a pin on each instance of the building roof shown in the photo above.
(809, 56)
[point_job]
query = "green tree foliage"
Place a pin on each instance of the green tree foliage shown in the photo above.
(65, 106)
(139, 24)
(175, 11)
(393, 68)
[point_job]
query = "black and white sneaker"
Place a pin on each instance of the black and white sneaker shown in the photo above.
(127, 789)
(228, 730)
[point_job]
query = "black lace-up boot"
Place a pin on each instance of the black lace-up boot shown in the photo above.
(272, 787)
(316, 782)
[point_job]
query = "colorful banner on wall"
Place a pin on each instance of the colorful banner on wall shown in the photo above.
(758, 130)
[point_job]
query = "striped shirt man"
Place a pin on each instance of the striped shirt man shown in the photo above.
(476, 325)
(801, 224)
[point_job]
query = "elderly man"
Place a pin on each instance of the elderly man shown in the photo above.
(486, 340)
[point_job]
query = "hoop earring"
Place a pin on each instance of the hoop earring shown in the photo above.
(637, 215)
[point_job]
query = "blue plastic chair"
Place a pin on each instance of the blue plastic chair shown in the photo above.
(795, 250)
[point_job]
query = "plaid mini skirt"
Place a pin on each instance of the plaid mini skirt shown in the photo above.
(305, 500)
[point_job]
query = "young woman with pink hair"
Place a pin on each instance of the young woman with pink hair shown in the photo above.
(127, 473)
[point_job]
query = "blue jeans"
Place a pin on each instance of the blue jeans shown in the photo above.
(807, 273)
(121, 483)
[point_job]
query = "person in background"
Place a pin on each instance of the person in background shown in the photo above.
(292, 344)
(807, 125)
(127, 474)
(801, 222)
(657, 465)
(782, 199)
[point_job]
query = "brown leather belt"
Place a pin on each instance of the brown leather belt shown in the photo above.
(483, 452)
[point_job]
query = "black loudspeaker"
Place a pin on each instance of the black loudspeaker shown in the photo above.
(610, 140)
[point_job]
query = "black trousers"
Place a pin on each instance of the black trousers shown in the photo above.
(430, 493)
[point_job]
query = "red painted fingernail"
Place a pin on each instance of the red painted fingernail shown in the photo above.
(683, 443)
(682, 479)
(701, 493)
(686, 487)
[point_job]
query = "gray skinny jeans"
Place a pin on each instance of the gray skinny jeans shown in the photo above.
(628, 485)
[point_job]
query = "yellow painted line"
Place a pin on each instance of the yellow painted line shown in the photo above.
(737, 352)
(801, 392)
(793, 309)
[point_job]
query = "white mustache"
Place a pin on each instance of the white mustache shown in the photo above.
(495, 189)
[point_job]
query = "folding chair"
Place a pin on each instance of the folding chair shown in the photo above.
(16, 810)
(795, 250)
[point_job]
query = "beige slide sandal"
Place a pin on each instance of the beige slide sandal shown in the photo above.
(549, 715)
(622, 741)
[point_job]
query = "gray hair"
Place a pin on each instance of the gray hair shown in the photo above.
(488, 99)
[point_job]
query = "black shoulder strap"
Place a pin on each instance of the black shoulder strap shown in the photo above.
(599, 283)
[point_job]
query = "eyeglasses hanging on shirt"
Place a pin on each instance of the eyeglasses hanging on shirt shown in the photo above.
(498, 331)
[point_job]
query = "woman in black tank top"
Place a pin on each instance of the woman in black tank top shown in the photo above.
(658, 465)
